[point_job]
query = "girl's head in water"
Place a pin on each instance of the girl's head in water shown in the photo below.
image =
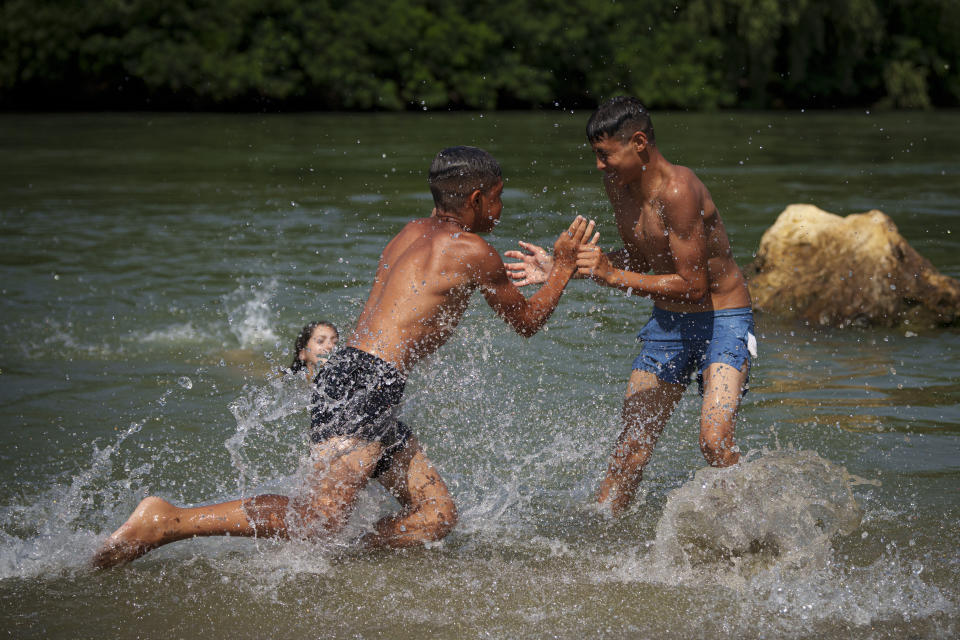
(315, 341)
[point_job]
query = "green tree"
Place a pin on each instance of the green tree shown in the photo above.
(480, 54)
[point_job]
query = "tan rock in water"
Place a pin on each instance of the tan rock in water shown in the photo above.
(836, 271)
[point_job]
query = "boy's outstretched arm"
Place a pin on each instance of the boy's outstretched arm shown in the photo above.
(535, 263)
(526, 316)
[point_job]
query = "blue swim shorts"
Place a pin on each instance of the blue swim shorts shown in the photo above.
(677, 344)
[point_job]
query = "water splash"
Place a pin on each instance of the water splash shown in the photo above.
(46, 535)
(762, 532)
(57, 530)
(780, 509)
(262, 413)
(248, 313)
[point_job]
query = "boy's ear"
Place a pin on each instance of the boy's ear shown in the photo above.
(639, 140)
(475, 198)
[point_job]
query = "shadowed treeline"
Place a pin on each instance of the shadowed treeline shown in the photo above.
(416, 54)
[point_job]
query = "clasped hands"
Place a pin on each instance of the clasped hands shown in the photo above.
(535, 263)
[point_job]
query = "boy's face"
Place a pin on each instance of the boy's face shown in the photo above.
(619, 158)
(491, 206)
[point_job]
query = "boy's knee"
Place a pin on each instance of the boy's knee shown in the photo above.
(439, 518)
(266, 512)
(446, 517)
(320, 516)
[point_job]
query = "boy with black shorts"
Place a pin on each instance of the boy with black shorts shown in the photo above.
(423, 283)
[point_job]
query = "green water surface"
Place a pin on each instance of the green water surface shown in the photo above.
(155, 269)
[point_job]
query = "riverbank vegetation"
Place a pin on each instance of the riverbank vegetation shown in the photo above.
(477, 54)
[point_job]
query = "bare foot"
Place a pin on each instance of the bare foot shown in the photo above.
(143, 531)
(614, 496)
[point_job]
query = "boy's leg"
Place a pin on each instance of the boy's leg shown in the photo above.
(427, 512)
(341, 468)
(722, 390)
(647, 406)
(155, 522)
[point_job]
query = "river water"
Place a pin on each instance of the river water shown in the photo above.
(156, 269)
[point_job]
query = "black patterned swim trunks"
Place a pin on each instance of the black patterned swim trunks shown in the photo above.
(358, 394)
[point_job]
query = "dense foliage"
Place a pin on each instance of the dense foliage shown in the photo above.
(412, 54)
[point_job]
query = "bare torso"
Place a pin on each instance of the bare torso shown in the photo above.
(646, 226)
(421, 290)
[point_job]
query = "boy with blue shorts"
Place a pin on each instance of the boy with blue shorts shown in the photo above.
(702, 320)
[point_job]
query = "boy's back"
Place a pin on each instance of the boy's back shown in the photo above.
(421, 289)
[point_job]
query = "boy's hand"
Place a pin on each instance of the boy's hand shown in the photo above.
(534, 267)
(566, 246)
(593, 263)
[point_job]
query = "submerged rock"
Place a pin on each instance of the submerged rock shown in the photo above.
(836, 271)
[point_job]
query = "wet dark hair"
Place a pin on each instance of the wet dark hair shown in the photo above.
(622, 115)
(304, 338)
(456, 172)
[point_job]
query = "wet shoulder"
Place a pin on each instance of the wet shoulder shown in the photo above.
(411, 232)
(419, 235)
(685, 194)
(441, 247)
(468, 247)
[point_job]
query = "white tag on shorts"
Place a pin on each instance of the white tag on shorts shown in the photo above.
(752, 345)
